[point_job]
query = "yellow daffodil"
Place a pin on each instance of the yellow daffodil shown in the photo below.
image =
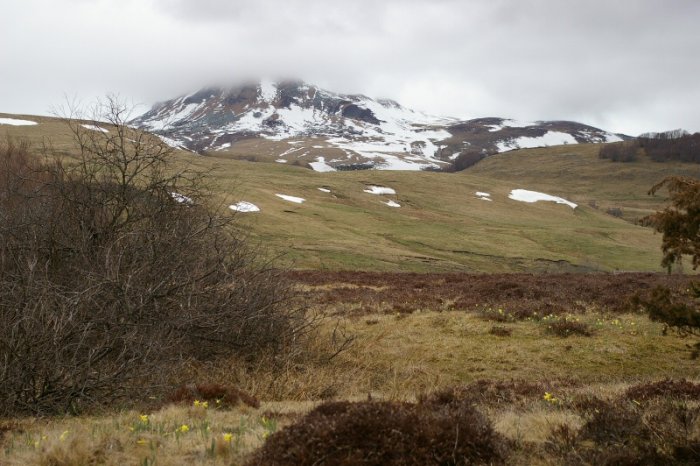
(184, 428)
(205, 404)
(143, 417)
(197, 403)
(64, 435)
(228, 437)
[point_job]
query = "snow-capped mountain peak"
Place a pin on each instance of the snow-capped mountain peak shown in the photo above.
(341, 130)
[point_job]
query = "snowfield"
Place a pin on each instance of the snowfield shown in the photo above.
(391, 203)
(483, 196)
(16, 122)
(244, 206)
(550, 138)
(296, 200)
(379, 190)
(523, 195)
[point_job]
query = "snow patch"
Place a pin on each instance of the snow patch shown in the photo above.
(181, 198)
(244, 206)
(483, 196)
(523, 195)
(609, 137)
(268, 90)
(95, 128)
(550, 138)
(391, 203)
(16, 122)
(379, 190)
(297, 200)
(281, 161)
(511, 124)
(223, 146)
(321, 166)
(171, 142)
(325, 190)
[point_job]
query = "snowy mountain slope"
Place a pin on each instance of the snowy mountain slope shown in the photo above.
(299, 122)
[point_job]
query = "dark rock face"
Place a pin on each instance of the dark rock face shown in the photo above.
(362, 114)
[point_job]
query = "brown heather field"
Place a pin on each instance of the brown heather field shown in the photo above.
(503, 369)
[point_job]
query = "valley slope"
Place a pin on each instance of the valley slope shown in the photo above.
(441, 224)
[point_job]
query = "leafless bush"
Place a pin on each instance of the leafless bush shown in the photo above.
(113, 268)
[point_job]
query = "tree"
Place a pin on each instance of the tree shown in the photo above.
(114, 269)
(680, 224)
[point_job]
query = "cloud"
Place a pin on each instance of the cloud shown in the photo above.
(627, 66)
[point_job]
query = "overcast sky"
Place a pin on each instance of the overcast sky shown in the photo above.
(626, 66)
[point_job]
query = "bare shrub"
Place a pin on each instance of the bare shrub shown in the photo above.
(386, 433)
(501, 331)
(113, 268)
(566, 328)
(677, 389)
(619, 152)
(218, 395)
(615, 212)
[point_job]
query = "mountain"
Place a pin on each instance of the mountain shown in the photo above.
(293, 121)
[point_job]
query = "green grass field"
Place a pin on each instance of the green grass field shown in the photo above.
(441, 224)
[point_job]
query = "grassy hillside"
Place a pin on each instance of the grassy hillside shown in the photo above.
(576, 172)
(441, 224)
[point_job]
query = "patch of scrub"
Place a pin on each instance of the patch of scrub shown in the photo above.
(483, 196)
(321, 166)
(523, 195)
(325, 190)
(95, 128)
(391, 203)
(244, 206)
(379, 190)
(16, 122)
(297, 200)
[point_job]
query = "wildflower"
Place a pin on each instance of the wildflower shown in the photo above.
(197, 403)
(184, 428)
(549, 397)
(141, 441)
(218, 402)
(266, 434)
(228, 437)
(205, 404)
(64, 435)
(143, 418)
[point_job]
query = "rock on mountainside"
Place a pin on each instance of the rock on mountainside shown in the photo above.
(328, 131)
